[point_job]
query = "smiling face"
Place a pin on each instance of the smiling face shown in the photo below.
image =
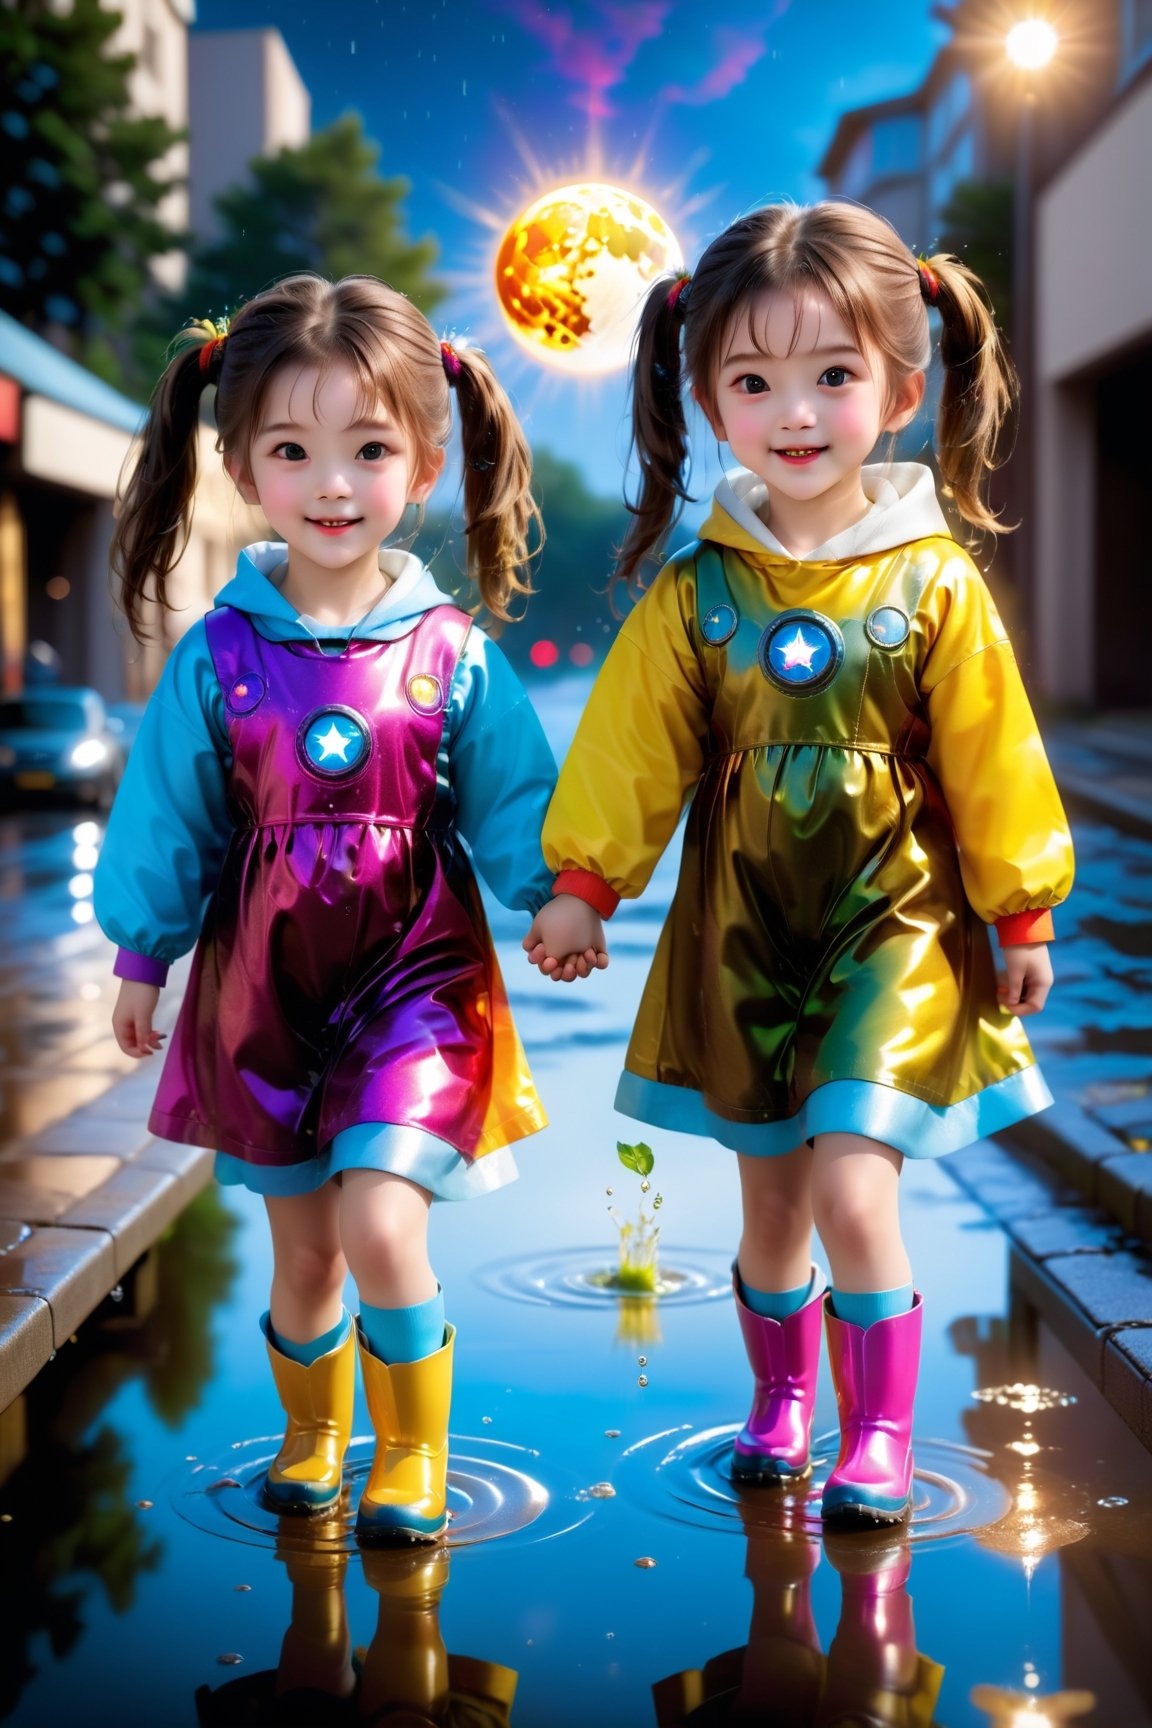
(332, 477)
(799, 404)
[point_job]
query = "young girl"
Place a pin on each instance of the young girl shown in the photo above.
(825, 675)
(316, 751)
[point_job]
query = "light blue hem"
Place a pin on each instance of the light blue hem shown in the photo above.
(421, 1157)
(916, 1129)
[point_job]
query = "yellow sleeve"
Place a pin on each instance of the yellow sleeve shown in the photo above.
(986, 752)
(639, 748)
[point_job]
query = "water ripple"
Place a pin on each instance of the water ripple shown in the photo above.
(685, 1475)
(575, 1278)
(494, 1490)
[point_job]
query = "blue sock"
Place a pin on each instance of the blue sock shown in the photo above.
(862, 1307)
(310, 1352)
(404, 1334)
(775, 1304)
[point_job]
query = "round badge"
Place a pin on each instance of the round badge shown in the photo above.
(887, 627)
(719, 624)
(245, 694)
(424, 693)
(801, 652)
(334, 743)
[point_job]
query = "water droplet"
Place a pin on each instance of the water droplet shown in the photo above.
(189, 1457)
(116, 1294)
(1031, 1680)
(642, 1380)
(242, 1589)
(646, 1561)
(645, 1185)
(609, 1634)
(145, 1505)
(230, 1659)
(5, 1517)
(1113, 1500)
(611, 1433)
(487, 1421)
(609, 1190)
(602, 1491)
(657, 1202)
(643, 1361)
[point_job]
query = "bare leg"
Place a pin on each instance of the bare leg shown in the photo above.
(856, 1200)
(776, 1245)
(309, 1268)
(384, 1233)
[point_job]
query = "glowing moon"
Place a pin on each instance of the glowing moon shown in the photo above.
(573, 269)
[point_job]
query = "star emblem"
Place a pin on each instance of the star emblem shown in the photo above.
(334, 743)
(798, 652)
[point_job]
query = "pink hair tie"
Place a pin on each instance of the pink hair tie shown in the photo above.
(929, 281)
(677, 291)
(450, 361)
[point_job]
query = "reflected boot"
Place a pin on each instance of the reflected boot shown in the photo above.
(405, 1668)
(305, 1475)
(875, 1673)
(784, 1355)
(874, 1371)
(783, 1667)
(408, 1402)
(316, 1655)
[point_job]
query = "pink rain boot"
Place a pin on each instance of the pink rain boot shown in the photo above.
(874, 1371)
(784, 1356)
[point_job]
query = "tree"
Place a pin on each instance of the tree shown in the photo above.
(319, 207)
(80, 181)
(977, 224)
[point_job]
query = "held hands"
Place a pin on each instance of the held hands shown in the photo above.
(566, 940)
(132, 1018)
(1028, 980)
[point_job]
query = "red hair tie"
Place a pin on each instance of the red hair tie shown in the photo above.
(208, 354)
(677, 292)
(929, 281)
(450, 360)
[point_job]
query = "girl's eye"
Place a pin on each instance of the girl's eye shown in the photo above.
(751, 384)
(291, 452)
(835, 376)
(373, 452)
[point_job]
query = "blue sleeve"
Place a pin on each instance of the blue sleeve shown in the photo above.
(169, 828)
(502, 773)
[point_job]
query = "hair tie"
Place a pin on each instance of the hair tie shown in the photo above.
(450, 361)
(677, 292)
(211, 351)
(929, 281)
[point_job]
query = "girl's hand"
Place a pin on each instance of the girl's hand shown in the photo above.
(1029, 978)
(132, 1018)
(566, 940)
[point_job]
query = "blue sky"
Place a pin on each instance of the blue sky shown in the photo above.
(705, 108)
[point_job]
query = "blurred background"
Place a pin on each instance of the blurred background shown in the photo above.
(165, 159)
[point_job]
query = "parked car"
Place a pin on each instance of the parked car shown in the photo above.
(57, 739)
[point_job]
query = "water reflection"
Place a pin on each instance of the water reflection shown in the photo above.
(872, 1673)
(73, 1523)
(405, 1675)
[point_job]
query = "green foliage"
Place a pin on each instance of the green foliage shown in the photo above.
(80, 184)
(322, 207)
(977, 224)
(638, 1158)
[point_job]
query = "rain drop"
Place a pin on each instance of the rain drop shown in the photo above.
(1113, 1500)
(487, 1421)
(611, 1433)
(609, 1634)
(609, 1190)
(643, 1361)
(646, 1561)
(642, 1380)
(242, 1589)
(230, 1659)
(116, 1294)
(145, 1505)
(658, 1202)
(645, 1185)
(602, 1491)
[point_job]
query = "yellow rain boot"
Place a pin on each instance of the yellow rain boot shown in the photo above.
(306, 1474)
(408, 1405)
(406, 1666)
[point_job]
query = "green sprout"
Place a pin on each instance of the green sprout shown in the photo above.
(637, 1273)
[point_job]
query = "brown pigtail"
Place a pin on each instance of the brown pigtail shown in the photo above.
(155, 514)
(659, 429)
(500, 512)
(980, 387)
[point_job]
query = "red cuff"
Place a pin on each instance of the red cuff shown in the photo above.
(1025, 927)
(586, 885)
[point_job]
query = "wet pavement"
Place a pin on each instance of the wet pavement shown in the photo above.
(602, 1567)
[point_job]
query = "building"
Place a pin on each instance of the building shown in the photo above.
(155, 32)
(246, 99)
(1073, 142)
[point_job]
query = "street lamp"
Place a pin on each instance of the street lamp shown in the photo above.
(1031, 44)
